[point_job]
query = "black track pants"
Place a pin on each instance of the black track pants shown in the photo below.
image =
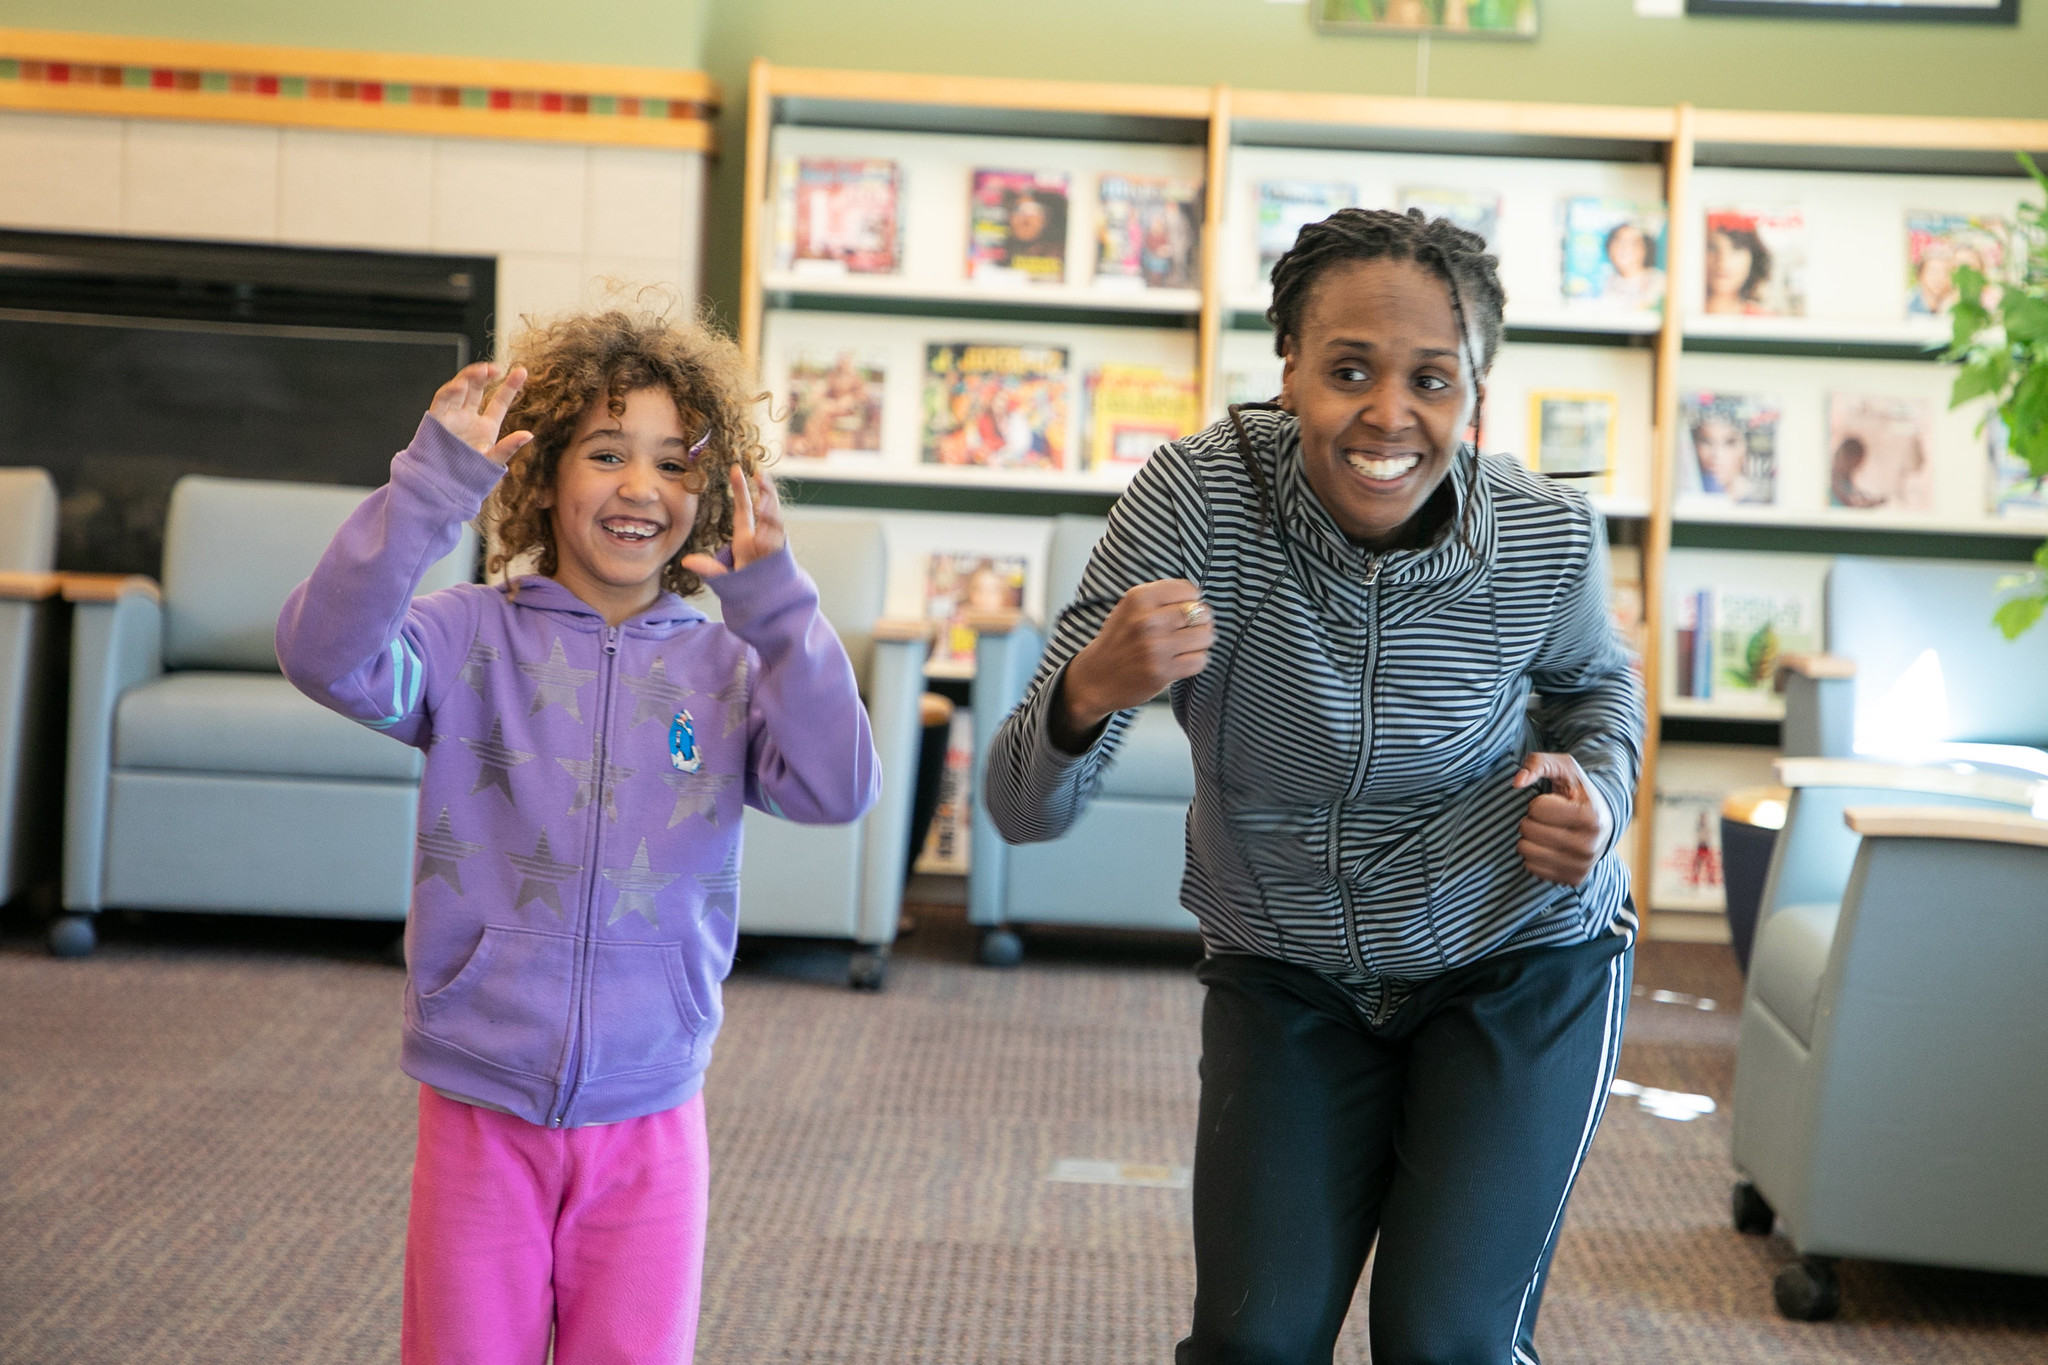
(1453, 1131)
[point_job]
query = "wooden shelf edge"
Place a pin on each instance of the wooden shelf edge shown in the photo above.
(1634, 123)
(991, 92)
(1905, 132)
(902, 628)
(1947, 822)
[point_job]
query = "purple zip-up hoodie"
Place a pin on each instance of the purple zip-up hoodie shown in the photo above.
(576, 896)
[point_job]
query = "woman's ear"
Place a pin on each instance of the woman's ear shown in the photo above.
(1288, 356)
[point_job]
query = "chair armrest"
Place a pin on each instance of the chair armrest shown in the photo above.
(1763, 807)
(19, 586)
(117, 637)
(995, 621)
(902, 628)
(895, 685)
(107, 587)
(1820, 705)
(1905, 777)
(1816, 666)
(1947, 822)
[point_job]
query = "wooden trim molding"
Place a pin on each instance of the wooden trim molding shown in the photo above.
(990, 92)
(1906, 777)
(1947, 822)
(1617, 122)
(1821, 667)
(107, 587)
(84, 73)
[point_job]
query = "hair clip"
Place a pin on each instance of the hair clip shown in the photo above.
(702, 441)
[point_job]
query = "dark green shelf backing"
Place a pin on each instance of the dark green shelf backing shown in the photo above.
(1849, 540)
(912, 497)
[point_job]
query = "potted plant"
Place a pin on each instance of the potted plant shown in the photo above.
(2001, 342)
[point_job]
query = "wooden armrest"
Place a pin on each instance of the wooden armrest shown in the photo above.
(992, 621)
(902, 628)
(18, 585)
(105, 587)
(934, 709)
(1819, 666)
(1907, 777)
(1763, 807)
(1948, 822)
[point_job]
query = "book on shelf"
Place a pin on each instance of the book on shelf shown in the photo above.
(1572, 434)
(1018, 228)
(1625, 598)
(1880, 450)
(2015, 490)
(1939, 244)
(1728, 641)
(1685, 844)
(1756, 262)
(1473, 210)
(1150, 232)
(1613, 254)
(1728, 447)
(838, 214)
(956, 583)
(995, 406)
(946, 846)
(1135, 409)
(1288, 206)
(835, 405)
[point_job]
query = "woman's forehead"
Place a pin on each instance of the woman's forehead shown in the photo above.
(1380, 302)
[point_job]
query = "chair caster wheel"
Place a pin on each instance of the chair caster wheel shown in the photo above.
(1807, 1290)
(1753, 1214)
(1001, 948)
(73, 936)
(867, 969)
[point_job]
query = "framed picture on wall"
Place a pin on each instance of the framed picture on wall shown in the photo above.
(1454, 18)
(1907, 11)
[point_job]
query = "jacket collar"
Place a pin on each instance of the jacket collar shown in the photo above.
(540, 593)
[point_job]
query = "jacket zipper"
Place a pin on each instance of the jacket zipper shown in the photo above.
(1361, 960)
(579, 991)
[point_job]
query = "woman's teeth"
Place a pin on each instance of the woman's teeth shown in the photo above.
(1387, 467)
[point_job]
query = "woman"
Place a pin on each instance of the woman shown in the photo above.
(1417, 927)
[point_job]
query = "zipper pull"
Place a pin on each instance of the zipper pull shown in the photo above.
(1372, 570)
(611, 640)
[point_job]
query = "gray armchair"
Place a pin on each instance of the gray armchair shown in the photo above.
(846, 881)
(28, 589)
(198, 778)
(1120, 866)
(1889, 1099)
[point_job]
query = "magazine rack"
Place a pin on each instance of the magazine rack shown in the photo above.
(1650, 367)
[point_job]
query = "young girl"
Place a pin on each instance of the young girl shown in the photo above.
(589, 738)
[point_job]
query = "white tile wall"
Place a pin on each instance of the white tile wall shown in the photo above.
(356, 190)
(200, 180)
(635, 202)
(621, 279)
(60, 173)
(534, 284)
(508, 196)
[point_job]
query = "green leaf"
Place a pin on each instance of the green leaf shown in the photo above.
(2016, 616)
(2041, 557)
(2033, 170)
(1969, 282)
(1970, 319)
(2026, 318)
(1979, 378)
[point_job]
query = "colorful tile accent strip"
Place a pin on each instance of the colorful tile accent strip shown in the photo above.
(315, 88)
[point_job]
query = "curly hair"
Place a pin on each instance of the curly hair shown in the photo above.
(577, 360)
(1449, 252)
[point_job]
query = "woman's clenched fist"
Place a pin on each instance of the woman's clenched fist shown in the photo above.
(1157, 634)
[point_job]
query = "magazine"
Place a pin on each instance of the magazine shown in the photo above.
(1880, 450)
(2015, 491)
(1573, 433)
(1685, 835)
(1288, 206)
(1613, 254)
(1756, 262)
(1728, 447)
(1018, 232)
(1625, 599)
(1938, 244)
(1135, 409)
(837, 215)
(945, 847)
(1001, 406)
(1471, 210)
(1150, 230)
(956, 584)
(1729, 640)
(835, 405)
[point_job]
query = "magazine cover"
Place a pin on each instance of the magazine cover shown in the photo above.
(945, 847)
(1937, 245)
(1135, 409)
(955, 584)
(1288, 206)
(1150, 230)
(1728, 447)
(1729, 640)
(835, 405)
(1001, 406)
(839, 215)
(1685, 836)
(1756, 262)
(2014, 489)
(1018, 231)
(1880, 452)
(1572, 434)
(1472, 210)
(1613, 255)
(1625, 599)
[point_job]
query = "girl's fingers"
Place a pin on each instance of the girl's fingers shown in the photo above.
(500, 402)
(742, 505)
(704, 566)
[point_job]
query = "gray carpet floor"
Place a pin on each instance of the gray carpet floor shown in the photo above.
(205, 1145)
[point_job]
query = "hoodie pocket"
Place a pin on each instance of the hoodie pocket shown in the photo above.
(510, 1002)
(643, 1016)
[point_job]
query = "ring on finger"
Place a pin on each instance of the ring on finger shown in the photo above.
(1194, 613)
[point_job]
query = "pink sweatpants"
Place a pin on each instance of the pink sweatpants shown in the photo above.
(595, 1234)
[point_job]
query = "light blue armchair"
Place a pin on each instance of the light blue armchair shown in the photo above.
(28, 746)
(846, 881)
(198, 778)
(1889, 1095)
(1120, 866)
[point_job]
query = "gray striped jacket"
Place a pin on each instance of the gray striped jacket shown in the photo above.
(1361, 715)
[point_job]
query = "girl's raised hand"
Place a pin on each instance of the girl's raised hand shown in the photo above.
(461, 407)
(757, 530)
